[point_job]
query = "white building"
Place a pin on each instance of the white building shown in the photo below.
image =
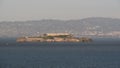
(56, 34)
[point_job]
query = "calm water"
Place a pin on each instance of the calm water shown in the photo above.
(98, 54)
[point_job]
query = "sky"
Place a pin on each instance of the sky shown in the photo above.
(17, 10)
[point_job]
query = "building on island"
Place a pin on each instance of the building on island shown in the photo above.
(57, 34)
(54, 37)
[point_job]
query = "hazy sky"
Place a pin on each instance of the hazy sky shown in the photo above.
(57, 9)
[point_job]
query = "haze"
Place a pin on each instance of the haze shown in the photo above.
(12, 10)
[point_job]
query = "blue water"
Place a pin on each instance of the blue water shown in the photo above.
(98, 54)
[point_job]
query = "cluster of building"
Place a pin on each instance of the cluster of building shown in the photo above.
(101, 34)
(54, 37)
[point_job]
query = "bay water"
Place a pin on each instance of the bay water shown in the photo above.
(96, 54)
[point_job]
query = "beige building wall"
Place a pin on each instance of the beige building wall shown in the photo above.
(34, 39)
(56, 34)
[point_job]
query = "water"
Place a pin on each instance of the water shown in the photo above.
(98, 54)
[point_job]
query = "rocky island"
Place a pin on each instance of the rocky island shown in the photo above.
(54, 37)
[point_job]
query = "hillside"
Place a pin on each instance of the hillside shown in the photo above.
(78, 27)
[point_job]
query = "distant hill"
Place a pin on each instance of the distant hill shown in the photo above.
(78, 27)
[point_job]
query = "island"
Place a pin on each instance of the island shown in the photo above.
(54, 37)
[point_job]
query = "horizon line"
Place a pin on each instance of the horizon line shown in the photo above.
(53, 19)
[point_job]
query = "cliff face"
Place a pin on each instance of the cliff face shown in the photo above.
(54, 38)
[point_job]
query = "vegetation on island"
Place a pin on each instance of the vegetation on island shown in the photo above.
(54, 37)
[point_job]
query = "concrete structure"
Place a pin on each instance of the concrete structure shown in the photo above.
(57, 34)
(54, 37)
(30, 39)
